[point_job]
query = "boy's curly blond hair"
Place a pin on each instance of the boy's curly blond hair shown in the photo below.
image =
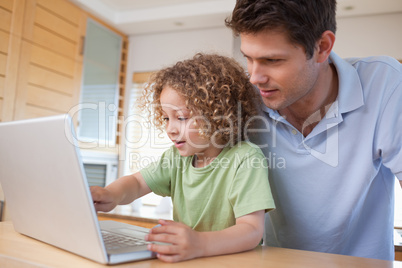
(216, 90)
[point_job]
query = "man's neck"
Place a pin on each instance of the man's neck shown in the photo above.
(306, 114)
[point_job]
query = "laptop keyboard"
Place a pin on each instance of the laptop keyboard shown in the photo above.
(116, 241)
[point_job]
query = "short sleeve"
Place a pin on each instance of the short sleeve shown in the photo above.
(158, 175)
(389, 132)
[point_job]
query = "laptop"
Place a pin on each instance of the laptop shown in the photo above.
(47, 193)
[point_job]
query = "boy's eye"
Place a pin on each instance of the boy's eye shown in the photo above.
(182, 118)
(165, 119)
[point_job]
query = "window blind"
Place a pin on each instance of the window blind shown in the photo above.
(144, 143)
(96, 174)
(98, 113)
(99, 98)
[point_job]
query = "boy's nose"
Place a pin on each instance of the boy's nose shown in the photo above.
(171, 128)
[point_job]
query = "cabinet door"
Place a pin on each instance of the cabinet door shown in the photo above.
(40, 57)
(50, 63)
(11, 18)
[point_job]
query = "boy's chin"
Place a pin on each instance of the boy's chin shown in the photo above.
(184, 154)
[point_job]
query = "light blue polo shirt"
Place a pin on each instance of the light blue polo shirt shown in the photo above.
(334, 189)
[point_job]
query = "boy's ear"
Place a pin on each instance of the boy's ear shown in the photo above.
(325, 45)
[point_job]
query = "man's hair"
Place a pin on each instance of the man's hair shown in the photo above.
(217, 91)
(304, 21)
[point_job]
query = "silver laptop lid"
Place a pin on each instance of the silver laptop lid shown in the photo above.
(45, 187)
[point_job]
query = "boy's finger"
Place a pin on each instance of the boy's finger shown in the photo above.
(164, 229)
(167, 222)
(163, 249)
(162, 238)
(168, 258)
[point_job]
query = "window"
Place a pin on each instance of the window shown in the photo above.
(99, 100)
(100, 167)
(144, 143)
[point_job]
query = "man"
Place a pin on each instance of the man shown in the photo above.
(333, 129)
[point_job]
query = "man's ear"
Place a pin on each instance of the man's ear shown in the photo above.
(325, 45)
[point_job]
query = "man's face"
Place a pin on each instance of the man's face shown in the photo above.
(280, 69)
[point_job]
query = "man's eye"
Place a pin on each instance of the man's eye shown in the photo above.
(248, 59)
(273, 60)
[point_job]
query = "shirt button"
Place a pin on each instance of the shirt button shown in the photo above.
(294, 131)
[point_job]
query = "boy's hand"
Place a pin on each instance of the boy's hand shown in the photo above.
(103, 199)
(185, 243)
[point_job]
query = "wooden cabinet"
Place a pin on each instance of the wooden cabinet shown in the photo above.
(398, 255)
(11, 15)
(41, 58)
(41, 64)
(41, 45)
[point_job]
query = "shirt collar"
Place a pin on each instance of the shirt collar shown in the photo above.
(350, 93)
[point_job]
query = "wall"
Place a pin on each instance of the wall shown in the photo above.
(370, 35)
(356, 36)
(154, 51)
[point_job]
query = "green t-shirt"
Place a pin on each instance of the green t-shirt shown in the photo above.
(211, 198)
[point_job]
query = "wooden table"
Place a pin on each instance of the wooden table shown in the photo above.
(17, 250)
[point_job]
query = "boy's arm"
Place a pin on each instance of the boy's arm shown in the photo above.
(120, 192)
(188, 244)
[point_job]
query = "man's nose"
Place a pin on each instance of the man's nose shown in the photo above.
(258, 75)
